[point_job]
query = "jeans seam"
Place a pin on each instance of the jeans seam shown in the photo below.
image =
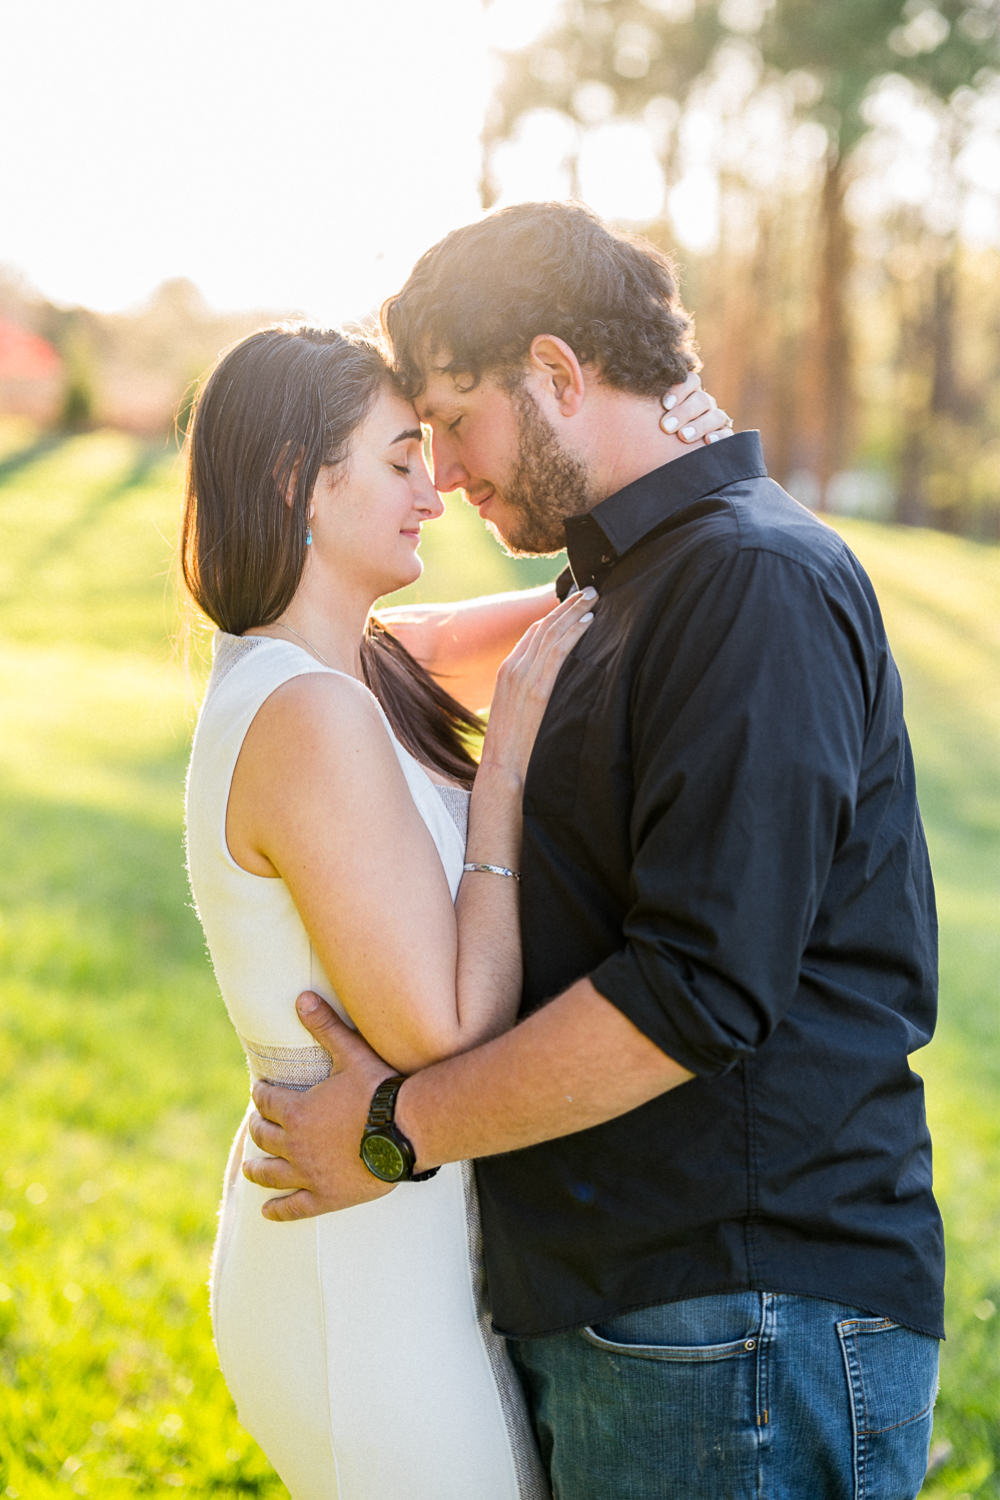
(855, 1388)
(765, 1337)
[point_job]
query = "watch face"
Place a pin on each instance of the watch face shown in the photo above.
(383, 1158)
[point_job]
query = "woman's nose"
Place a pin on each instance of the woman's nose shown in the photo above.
(429, 501)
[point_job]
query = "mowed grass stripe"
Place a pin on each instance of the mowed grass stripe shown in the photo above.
(122, 1080)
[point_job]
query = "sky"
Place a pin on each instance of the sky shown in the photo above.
(295, 156)
(300, 157)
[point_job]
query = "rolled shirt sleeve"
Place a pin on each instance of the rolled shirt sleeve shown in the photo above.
(748, 720)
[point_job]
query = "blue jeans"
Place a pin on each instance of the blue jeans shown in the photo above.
(745, 1396)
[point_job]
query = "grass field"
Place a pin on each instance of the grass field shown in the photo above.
(121, 1079)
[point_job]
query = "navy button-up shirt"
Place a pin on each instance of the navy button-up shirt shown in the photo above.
(721, 830)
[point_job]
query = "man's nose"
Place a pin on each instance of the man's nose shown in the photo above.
(447, 470)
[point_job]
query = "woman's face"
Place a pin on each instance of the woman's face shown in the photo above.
(367, 512)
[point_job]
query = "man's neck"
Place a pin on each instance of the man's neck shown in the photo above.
(626, 441)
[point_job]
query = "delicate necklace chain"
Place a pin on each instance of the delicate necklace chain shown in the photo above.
(302, 638)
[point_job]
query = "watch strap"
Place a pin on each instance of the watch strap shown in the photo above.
(382, 1110)
(382, 1116)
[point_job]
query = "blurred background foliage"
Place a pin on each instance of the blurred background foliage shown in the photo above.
(833, 165)
(831, 174)
(121, 1077)
(845, 302)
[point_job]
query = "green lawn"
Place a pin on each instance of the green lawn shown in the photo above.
(122, 1080)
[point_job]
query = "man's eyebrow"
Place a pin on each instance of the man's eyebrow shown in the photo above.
(403, 437)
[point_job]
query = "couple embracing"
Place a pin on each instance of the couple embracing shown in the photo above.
(654, 965)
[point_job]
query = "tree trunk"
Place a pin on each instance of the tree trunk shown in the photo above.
(830, 418)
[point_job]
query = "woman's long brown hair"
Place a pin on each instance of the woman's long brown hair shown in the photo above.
(278, 406)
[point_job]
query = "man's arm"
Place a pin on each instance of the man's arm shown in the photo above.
(463, 644)
(548, 1077)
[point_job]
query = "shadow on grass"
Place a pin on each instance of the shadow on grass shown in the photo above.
(116, 879)
(64, 539)
(33, 453)
(108, 1004)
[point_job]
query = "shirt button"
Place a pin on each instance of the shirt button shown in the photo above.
(750, 1344)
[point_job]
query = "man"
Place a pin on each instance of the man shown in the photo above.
(702, 1157)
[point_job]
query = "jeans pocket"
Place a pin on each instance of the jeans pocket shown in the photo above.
(892, 1379)
(693, 1332)
(682, 1353)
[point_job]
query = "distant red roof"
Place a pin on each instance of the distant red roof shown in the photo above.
(25, 356)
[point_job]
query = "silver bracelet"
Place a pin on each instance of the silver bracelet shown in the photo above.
(494, 870)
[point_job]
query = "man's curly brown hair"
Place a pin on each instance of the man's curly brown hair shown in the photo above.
(473, 303)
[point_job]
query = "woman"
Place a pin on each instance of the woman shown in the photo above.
(328, 799)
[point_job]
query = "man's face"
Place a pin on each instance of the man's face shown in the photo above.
(497, 446)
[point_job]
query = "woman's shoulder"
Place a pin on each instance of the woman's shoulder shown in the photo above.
(304, 708)
(251, 667)
(259, 687)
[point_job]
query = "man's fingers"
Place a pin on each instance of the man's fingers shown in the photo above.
(300, 1205)
(269, 1172)
(265, 1134)
(272, 1102)
(322, 1021)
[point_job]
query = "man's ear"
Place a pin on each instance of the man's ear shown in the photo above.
(559, 372)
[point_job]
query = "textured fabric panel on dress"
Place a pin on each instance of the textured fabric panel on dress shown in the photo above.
(532, 1483)
(292, 1067)
(230, 649)
(456, 804)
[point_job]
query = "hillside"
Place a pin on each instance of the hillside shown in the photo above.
(122, 1080)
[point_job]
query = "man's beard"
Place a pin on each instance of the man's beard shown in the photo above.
(546, 487)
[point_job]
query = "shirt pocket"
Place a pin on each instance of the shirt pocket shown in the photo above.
(550, 787)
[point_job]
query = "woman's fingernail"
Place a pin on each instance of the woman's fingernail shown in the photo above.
(669, 402)
(688, 432)
(589, 592)
(670, 425)
(588, 616)
(713, 437)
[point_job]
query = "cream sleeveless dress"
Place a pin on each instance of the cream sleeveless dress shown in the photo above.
(356, 1345)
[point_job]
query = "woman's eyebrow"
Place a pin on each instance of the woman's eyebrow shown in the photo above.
(403, 437)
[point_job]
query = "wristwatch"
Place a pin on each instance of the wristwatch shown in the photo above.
(385, 1150)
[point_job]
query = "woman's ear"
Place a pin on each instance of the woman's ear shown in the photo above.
(287, 479)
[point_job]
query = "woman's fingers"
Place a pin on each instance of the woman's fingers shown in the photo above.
(525, 680)
(679, 395)
(708, 428)
(540, 669)
(694, 417)
(550, 633)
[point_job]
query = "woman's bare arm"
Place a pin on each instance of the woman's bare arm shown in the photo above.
(463, 644)
(318, 798)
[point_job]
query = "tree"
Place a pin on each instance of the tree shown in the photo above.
(623, 58)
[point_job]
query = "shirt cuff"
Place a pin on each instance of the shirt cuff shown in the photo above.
(652, 996)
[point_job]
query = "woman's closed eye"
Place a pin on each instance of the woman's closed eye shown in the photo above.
(401, 468)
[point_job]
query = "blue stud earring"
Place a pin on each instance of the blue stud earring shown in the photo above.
(309, 536)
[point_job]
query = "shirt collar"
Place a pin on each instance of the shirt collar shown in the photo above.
(596, 541)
